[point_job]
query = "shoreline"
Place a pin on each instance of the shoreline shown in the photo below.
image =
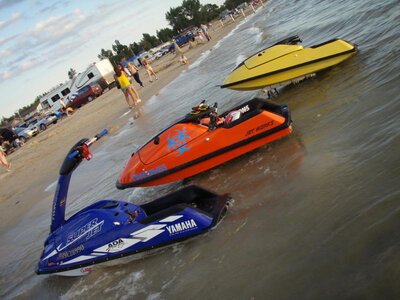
(35, 166)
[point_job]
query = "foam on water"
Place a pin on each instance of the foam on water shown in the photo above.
(125, 114)
(51, 187)
(198, 61)
(257, 32)
(343, 174)
(126, 288)
(240, 59)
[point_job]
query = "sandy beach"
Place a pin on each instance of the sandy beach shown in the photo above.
(314, 215)
(36, 164)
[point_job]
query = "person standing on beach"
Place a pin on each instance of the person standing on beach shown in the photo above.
(135, 73)
(3, 160)
(145, 63)
(64, 107)
(178, 51)
(131, 95)
(204, 29)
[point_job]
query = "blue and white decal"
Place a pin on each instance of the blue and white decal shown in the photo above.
(178, 141)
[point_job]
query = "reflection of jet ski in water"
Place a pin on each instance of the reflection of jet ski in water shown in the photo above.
(203, 139)
(287, 61)
(111, 229)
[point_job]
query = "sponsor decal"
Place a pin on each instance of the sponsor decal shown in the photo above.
(178, 141)
(244, 109)
(72, 252)
(146, 234)
(259, 128)
(88, 230)
(115, 245)
(181, 226)
(144, 174)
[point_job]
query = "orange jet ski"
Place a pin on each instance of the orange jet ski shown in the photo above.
(202, 140)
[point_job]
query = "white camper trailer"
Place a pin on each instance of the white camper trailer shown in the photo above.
(101, 72)
(52, 99)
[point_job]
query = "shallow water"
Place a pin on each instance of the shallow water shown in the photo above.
(316, 215)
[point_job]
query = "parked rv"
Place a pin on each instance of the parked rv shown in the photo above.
(101, 73)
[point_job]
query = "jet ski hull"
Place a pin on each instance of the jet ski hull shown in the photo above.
(111, 229)
(282, 63)
(263, 122)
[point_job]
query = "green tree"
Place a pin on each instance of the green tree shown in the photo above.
(176, 18)
(121, 51)
(149, 41)
(135, 47)
(165, 34)
(191, 13)
(105, 54)
(231, 4)
(210, 12)
(71, 73)
(191, 9)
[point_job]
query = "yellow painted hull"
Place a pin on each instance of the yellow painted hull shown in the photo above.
(282, 63)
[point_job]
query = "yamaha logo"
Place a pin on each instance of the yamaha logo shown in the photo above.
(182, 226)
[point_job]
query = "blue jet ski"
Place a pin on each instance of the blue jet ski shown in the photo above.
(111, 229)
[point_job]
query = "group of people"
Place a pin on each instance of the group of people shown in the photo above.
(127, 70)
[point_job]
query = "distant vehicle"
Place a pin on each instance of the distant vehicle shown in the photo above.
(9, 140)
(158, 55)
(25, 133)
(183, 38)
(165, 50)
(101, 72)
(85, 95)
(242, 6)
(44, 122)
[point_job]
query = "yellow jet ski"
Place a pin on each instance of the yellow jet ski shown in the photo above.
(285, 62)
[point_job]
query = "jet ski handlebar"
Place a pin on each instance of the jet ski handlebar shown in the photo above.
(78, 152)
(83, 145)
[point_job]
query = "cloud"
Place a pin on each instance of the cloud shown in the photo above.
(21, 66)
(52, 7)
(8, 39)
(5, 54)
(56, 27)
(60, 38)
(9, 3)
(14, 18)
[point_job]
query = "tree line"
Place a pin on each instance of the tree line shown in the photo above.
(189, 13)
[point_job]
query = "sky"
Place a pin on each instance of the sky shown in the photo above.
(40, 40)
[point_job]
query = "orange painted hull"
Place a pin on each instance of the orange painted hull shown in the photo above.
(188, 148)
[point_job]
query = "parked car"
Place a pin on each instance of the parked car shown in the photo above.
(25, 133)
(44, 122)
(85, 95)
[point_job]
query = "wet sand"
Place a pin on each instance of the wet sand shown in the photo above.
(35, 166)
